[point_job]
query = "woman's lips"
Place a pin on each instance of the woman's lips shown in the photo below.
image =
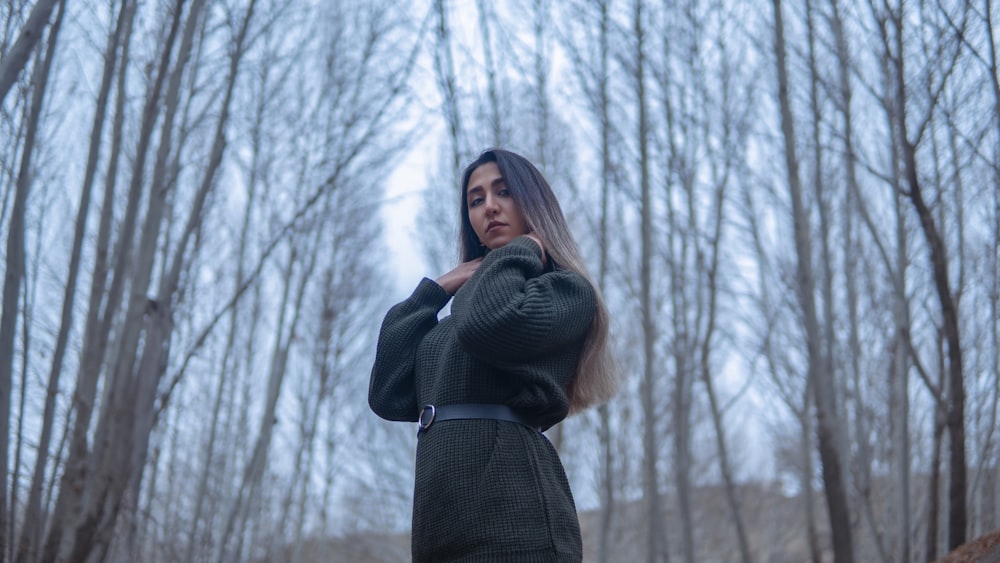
(494, 226)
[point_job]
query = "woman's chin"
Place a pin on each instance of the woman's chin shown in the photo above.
(498, 242)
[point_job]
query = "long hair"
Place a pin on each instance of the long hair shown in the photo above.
(595, 379)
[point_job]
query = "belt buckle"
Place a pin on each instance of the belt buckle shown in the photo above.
(427, 409)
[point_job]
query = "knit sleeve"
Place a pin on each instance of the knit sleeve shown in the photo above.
(516, 311)
(392, 391)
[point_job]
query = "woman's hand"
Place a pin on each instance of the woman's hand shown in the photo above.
(545, 259)
(455, 279)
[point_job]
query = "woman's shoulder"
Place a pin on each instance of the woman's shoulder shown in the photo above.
(571, 288)
(568, 276)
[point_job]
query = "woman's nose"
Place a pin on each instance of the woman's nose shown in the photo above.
(491, 205)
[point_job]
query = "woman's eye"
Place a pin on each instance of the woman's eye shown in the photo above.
(504, 192)
(476, 201)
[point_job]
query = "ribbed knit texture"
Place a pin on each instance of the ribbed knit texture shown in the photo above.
(486, 490)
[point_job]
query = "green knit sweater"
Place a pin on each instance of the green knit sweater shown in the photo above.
(487, 490)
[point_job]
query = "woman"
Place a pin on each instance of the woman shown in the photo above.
(525, 344)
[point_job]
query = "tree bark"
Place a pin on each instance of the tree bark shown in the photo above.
(440, 247)
(893, 45)
(956, 383)
(823, 390)
(17, 56)
(732, 496)
(949, 317)
(487, 22)
(110, 456)
(808, 496)
(799, 407)
(14, 268)
(899, 403)
(934, 491)
(995, 333)
(445, 70)
(224, 368)
(686, 316)
(158, 326)
(995, 293)
(541, 22)
(604, 415)
(76, 474)
(30, 534)
(655, 541)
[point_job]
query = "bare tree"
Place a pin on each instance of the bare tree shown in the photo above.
(783, 371)
(15, 263)
(227, 364)
(30, 535)
(444, 66)
(439, 246)
(487, 22)
(69, 507)
(656, 546)
(724, 165)
(680, 254)
(126, 414)
(891, 26)
(608, 474)
(17, 56)
(593, 52)
(821, 382)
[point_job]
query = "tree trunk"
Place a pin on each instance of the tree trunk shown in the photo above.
(995, 292)
(934, 491)
(949, 314)
(445, 71)
(541, 22)
(995, 333)
(899, 403)
(687, 311)
(15, 263)
(823, 390)
(487, 21)
(798, 406)
(158, 327)
(949, 308)
(30, 535)
(17, 56)
(732, 496)
(224, 368)
(440, 246)
(655, 541)
(310, 401)
(956, 412)
(808, 496)
(111, 457)
(825, 265)
(607, 446)
(69, 508)
(681, 418)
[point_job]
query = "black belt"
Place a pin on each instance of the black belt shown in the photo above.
(431, 414)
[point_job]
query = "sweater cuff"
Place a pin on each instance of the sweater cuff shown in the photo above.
(429, 292)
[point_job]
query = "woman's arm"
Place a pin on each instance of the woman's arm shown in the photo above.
(516, 311)
(392, 389)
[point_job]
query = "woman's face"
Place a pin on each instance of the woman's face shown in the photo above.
(492, 211)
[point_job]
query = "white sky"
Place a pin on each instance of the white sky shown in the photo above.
(401, 218)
